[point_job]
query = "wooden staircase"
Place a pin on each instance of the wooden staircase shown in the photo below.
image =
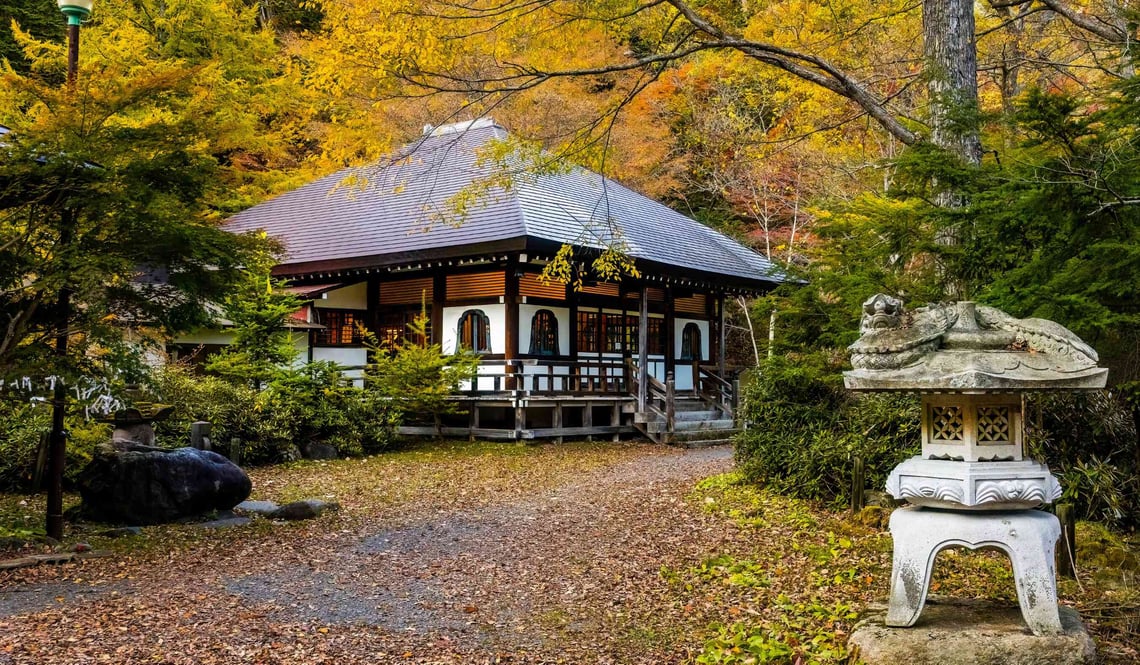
(693, 419)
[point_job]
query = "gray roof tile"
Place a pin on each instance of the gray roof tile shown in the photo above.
(401, 206)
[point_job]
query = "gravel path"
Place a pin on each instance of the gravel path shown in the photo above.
(567, 571)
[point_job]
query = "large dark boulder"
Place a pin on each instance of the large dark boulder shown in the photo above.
(157, 486)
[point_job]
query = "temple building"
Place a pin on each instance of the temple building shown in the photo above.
(433, 228)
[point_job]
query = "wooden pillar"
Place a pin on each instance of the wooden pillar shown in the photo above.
(588, 419)
(372, 303)
(670, 332)
(438, 296)
(557, 421)
(721, 334)
(572, 301)
(615, 418)
(643, 350)
(472, 420)
(511, 323)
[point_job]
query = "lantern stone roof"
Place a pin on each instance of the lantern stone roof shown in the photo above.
(965, 347)
(443, 197)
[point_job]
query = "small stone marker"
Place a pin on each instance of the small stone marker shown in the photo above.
(200, 435)
(263, 508)
(304, 510)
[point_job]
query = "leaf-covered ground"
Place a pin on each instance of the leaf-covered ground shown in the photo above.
(473, 553)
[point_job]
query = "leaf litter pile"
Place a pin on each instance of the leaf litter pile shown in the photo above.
(483, 553)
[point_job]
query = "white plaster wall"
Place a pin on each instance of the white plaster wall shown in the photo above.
(346, 356)
(205, 337)
(353, 296)
(526, 317)
(496, 313)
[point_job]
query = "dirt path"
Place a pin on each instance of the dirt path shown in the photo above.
(566, 571)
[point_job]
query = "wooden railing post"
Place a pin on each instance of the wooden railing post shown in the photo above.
(670, 407)
(1067, 552)
(858, 485)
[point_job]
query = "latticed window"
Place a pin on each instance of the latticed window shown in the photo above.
(691, 342)
(946, 423)
(340, 327)
(544, 333)
(395, 327)
(993, 424)
(588, 332)
(613, 328)
(474, 331)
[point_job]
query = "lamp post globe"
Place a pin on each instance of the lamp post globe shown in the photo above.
(75, 10)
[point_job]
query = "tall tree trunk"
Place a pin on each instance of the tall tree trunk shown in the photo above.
(952, 74)
(952, 81)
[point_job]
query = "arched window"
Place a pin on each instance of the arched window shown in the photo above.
(691, 342)
(474, 332)
(544, 333)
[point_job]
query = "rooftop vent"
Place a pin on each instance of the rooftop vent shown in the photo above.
(458, 127)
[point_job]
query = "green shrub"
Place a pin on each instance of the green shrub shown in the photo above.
(308, 404)
(21, 425)
(804, 429)
(230, 408)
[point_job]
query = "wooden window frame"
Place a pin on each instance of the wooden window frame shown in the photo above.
(340, 327)
(688, 353)
(544, 334)
(587, 331)
(479, 337)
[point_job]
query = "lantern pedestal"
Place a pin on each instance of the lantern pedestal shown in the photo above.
(969, 632)
(1029, 537)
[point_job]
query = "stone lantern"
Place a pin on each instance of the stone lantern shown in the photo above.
(971, 486)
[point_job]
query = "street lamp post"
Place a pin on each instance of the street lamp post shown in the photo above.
(75, 11)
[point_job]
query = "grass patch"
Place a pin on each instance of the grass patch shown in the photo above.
(811, 570)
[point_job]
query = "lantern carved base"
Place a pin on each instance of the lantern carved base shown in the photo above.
(1029, 537)
(973, 485)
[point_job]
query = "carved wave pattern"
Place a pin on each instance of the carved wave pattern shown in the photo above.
(931, 489)
(1004, 491)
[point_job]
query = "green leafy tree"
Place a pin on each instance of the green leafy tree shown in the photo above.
(413, 377)
(258, 309)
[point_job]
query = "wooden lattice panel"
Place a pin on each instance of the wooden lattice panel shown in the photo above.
(691, 305)
(603, 289)
(531, 285)
(476, 285)
(406, 292)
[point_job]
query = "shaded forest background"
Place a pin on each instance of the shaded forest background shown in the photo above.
(810, 130)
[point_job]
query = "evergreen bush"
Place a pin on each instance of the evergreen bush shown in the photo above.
(804, 429)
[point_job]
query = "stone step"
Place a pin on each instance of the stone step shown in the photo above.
(697, 415)
(691, 425)
(690, 405)
(704, 443)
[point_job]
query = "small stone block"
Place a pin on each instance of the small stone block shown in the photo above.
(965, 632)
(263, 508)
(225, 522)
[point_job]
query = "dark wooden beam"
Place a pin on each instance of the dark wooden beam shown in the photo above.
(643, 350)
(720, 351)
(670, 332)
(438, 296)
